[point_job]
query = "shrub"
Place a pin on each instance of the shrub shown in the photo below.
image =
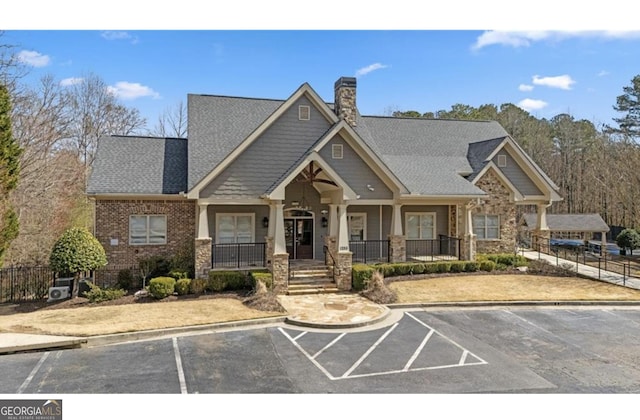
(471, 266)
(457, 266)
(183, 286)
(97, 295)
(197, 286)
(628, 238)
(512, 260)
(125, 279)
(418, 268)
(378, 291)
(161, 287)
(155, 266)
(226, 280)
(387, 270)
(361, 274)
(431, 268)
(487, 265)
(261, 276)
(178, 274)
(402, 269)
(443, 267)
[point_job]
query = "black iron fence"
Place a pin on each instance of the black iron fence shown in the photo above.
(24, 284)
(238, 255)
(370, 251)
(445, 247)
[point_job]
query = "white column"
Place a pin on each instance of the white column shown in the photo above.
(272, 220)
(333, 220)
(203, 222)
(396, 223)
(604, 249)
(279, 244)
(469, 219)
(542, 217)
(343, 231)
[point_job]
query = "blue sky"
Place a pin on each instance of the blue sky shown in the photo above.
(546, 72)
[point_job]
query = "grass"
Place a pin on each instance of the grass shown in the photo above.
(109, 319)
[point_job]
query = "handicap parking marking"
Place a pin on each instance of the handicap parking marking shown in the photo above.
(408, 345)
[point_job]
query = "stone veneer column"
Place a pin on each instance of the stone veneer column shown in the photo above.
(203, 257)
(268, 252)
(280, 272)
(468, 247)
(344, 264)
(398, 248)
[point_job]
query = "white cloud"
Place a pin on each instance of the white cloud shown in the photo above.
(127, 90)
(119, 35)
(70, 81)
(532, 104)
(370, 68)
(525, 88)
(526, 38)
(33, 58)
(561, 82)
(603, 73)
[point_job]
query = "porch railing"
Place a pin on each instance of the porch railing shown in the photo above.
(370, 251)
(445, 247)
(238, 255)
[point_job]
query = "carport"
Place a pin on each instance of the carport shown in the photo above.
(567, 226)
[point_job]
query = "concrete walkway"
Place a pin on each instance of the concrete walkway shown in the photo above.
(586, 270)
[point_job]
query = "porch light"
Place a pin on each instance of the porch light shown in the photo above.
(265, 222)
(325, 222)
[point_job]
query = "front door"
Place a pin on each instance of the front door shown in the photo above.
(298, 233)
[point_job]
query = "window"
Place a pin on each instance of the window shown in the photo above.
(420, 225)
(304, 112)
(235, 228)
(148, 230)
(502, 161)
(357, 226)
(486, 226)
(336, 151)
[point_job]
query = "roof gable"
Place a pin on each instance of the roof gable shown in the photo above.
(591, 222)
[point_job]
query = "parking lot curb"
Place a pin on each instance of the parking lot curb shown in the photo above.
(515, 303)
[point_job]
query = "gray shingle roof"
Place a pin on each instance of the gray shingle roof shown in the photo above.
(568, 222)
(429, 155)
(139, 165)
(219, 124)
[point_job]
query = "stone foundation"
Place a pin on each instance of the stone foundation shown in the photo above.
(398, 250)
(280, 273)
(344, 264)
(203, 257)
(468, 248)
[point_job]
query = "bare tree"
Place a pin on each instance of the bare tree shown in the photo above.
(172, 122)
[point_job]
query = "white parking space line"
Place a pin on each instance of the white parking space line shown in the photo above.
(368, 352)
(35, 370)
(183, 382)
(300, 335)
(418, 351)
(465, 356)
(335, 340)
(318, 365)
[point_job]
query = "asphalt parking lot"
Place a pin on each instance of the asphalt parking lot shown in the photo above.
(482, 350)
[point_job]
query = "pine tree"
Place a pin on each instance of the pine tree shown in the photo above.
(629, 103)
(10, 153)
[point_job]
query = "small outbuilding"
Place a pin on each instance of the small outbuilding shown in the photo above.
(584, 227)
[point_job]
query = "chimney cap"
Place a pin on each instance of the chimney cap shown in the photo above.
(345, 82)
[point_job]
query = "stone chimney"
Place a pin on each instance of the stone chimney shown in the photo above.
(345, 99)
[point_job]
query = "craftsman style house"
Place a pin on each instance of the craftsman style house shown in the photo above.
(263, 182)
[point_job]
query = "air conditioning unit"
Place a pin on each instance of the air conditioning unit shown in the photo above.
(59, 293)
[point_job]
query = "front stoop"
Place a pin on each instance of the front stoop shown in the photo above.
(312, 280)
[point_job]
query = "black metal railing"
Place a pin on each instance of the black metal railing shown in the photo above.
(445, 247)
(238, 255)
(583, 254)
(370, 251)
(329, 260)
(24, 284)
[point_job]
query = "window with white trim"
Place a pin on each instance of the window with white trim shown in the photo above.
(149, 229)
(336, 151)
(304, 112)
(420, 225)
(235, 228)
(357, 223)
(486, 226)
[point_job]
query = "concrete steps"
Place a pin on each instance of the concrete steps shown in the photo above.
(312, 280)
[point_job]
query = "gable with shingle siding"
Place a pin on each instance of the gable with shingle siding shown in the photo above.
(270, 155)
